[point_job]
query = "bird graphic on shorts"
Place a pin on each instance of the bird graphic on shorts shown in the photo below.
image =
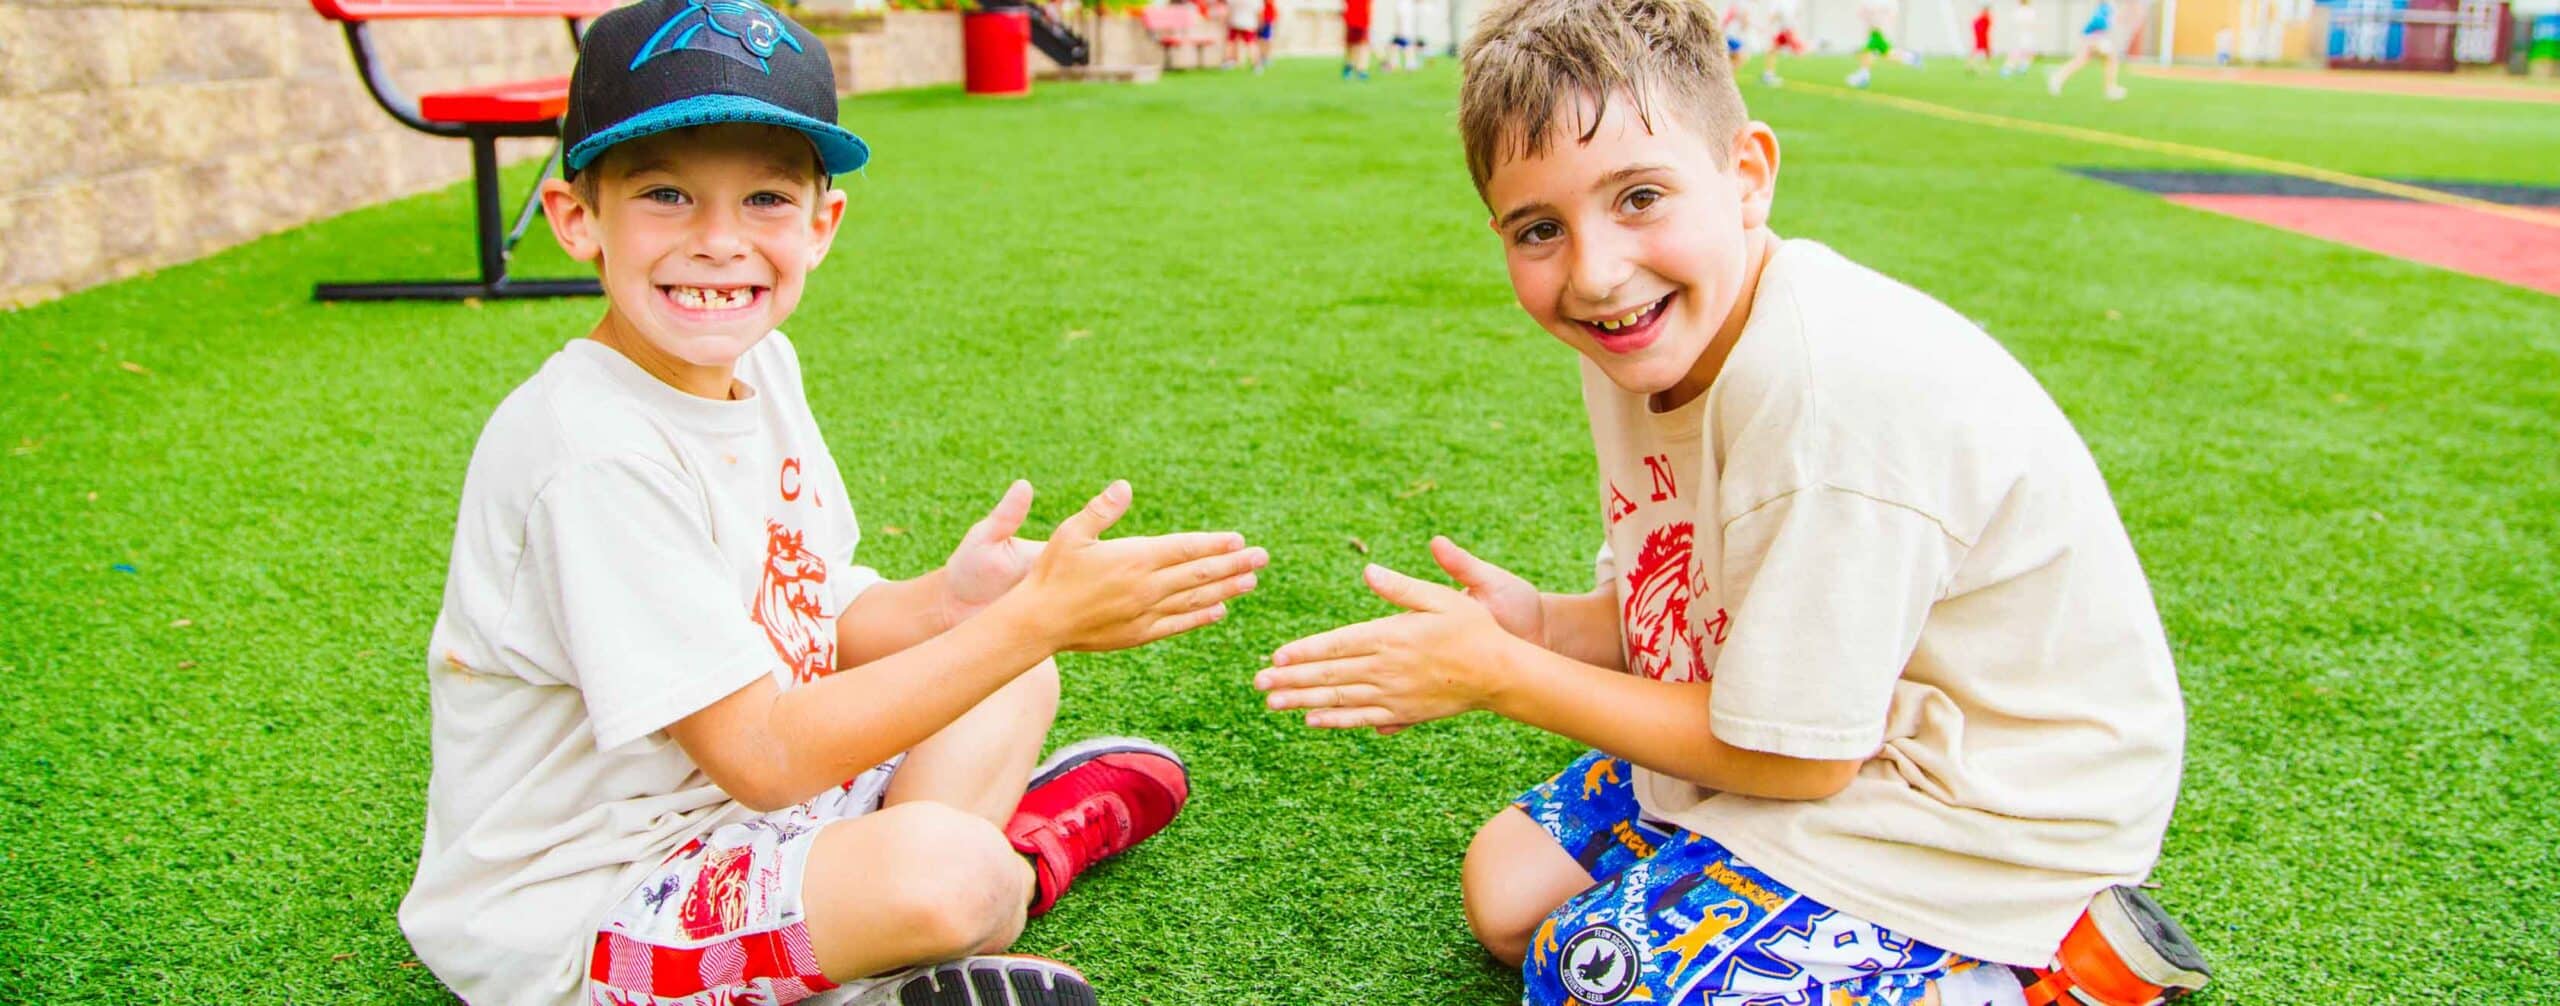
(1598, 968)
(657, 896)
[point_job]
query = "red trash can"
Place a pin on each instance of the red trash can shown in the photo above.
(996, 45)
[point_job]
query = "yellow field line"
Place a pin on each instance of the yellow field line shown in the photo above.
(2213, 155)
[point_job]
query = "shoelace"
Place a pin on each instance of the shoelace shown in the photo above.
(1090, 828)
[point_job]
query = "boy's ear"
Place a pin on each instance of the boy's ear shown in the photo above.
(823, 223)
(572, 221)
(1755, 166)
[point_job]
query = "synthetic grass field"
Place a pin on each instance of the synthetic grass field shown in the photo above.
(1273, 305)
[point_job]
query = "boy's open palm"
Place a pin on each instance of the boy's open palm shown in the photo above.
(1512, 601)
(1093, 594)
(1421, 665)
(989, 560)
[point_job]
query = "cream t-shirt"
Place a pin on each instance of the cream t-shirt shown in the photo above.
(626, 555)
(1880, 539)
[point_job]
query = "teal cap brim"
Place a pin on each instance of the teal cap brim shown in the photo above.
(839, 151)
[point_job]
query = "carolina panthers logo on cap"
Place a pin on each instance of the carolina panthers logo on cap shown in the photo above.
(743, 30)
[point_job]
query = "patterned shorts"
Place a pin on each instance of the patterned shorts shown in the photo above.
(720, 921)
(1675, 918)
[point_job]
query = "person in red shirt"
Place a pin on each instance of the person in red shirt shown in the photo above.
(1262, 35)
(1355, 39)
(1981, 55)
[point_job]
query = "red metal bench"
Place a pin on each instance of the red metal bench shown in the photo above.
(482, 115)
(1181, 23)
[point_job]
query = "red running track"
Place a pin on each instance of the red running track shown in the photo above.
(2505, 249)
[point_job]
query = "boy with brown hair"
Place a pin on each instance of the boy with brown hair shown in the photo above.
(686, 751)
(1875, 686)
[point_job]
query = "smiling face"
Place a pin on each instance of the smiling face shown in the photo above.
(703, 238)
(1638, 245)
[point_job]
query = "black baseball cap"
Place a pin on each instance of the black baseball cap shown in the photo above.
(658, 65)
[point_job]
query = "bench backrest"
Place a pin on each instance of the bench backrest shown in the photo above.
(1160, 19)
(377, 10)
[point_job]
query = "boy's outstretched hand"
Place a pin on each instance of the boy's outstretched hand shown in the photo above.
(1513, 602)
(989, 560)
(1427, 663)
(1085, 593)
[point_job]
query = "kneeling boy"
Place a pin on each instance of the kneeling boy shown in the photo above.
(1876, 687)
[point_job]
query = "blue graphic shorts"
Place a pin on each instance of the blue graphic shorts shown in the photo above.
(1675, 918)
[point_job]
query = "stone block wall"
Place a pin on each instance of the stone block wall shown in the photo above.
(139, 133)
(136, 134)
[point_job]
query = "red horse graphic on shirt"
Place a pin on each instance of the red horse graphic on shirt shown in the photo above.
(789, 606)
(1660, 644)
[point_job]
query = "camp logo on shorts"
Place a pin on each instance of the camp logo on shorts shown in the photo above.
(1600, 965)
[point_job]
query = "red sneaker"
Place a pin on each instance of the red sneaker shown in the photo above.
(1091, 801)
(2125, 951)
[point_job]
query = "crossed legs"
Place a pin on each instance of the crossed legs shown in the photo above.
(930, 876)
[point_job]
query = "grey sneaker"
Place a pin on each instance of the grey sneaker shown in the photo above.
(995, 980)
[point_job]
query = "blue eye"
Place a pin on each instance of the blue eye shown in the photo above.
(768, 200)
(664, 196)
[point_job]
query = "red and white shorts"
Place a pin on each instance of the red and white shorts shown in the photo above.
(720, 921)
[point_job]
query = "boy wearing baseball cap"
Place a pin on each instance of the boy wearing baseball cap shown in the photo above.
(685, 750)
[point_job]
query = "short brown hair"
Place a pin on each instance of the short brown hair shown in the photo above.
(1530, 58)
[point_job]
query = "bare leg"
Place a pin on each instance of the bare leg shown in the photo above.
(911, 884)
(980, 762)
(1515, 876)
(2053, 82)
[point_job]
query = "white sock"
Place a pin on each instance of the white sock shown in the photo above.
(1987, 985)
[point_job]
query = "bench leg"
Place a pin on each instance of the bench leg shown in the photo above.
(495, 243)
(484, 208)
(460, 289)
(532, 201)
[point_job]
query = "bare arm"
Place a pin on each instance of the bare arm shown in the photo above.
(1581, 626)
(1447, 655)
(897, 614)
(769, 747)
(1660, 725)
(1584, 627)
(892, 616)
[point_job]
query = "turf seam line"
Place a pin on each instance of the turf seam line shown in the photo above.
(2214, 155)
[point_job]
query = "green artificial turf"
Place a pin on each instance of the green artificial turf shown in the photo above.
(1272, 303)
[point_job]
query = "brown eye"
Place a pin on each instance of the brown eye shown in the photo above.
(1641, 200)
(1540, 233)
